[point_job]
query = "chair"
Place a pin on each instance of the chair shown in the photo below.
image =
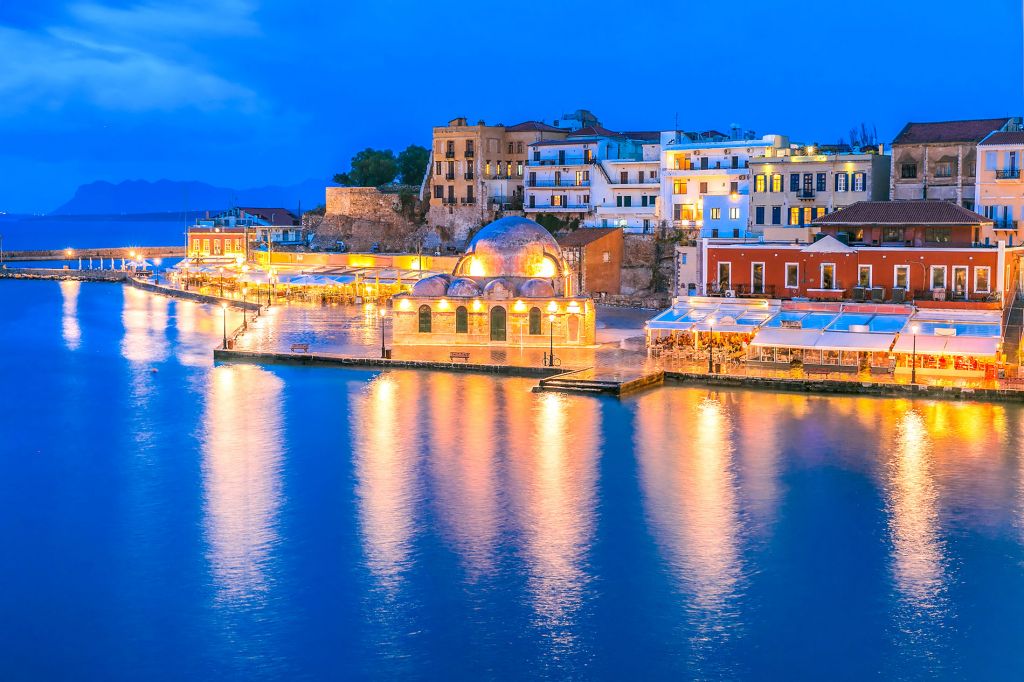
(858, 294)
(877, 295)
(899, 295)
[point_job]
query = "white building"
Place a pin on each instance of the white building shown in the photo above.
(705, 180)
(600, 177)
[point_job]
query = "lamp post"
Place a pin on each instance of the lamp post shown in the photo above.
(245, 312)
(551, 340)
(221, 282)
(711, 344)
(913, 356)
(383, 316)
(224, 310)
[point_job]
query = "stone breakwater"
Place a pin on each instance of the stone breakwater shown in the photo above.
(75, 254)
(54, 273)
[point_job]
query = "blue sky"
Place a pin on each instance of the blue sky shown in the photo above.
(245, 92)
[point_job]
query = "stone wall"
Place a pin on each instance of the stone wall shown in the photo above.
(362, 217)
(647, 266)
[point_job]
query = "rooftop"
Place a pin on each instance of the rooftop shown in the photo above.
(973, 130)
(586, 235)
(1003, 137)
(915, 212)
(534, 126)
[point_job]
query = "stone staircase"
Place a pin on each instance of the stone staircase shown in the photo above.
(600, 382)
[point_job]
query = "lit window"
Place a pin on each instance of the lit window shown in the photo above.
(792, 276)
(759, 183)
(981, 279)
(716, 214)
(777, 183)
(734, 213)
(901, 277)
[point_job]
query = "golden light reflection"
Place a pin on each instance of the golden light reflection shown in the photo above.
(553, 444)
(387, 451)
(242, 436)
(545, 267)
(914, 514)
(476, 267)
(144, 317)
(70, 329)
(686, 472)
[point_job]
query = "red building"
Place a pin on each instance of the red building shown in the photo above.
(216, 242)
(879, 251)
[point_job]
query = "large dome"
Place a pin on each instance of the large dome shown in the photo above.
(512, 247)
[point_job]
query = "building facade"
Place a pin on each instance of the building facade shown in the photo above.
(788, 193)
(705, 180)
(999, 190)
(939, 160)
(595, 258)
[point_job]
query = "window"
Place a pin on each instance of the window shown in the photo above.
(606, 256)
(716, 214)
(864, 276)
(534, 321)
(424, 319)
(206, 246)
(734, 188)
(858, 182)
(807, 215)
(819, 211)
(725, 276)
(792, 276)
(908, 171)
(757, 278)
(991, 160)
(627, 200)
(438, 169)
(585, 198)
(938, 235)
(794, 215)
(579, 178)
(821, 182)
(960, 279)
(511, 148)
(438, 191)
(901, 277)
(759, 183)
(776, 215)
(938, 277)
(944, 169)
(703, 188)
(519, 168)
(461, 320)
(469, 147)
(734, 213)
(679, 186)
(794, 182)
(195, 244)
(556, 200)
(519, 147)
(892, 234)
(842, 182)
(777, 182)
(759, 215)
(558, 178)
(487, 168)
(828, 275)
(982, 277)
(238, 244)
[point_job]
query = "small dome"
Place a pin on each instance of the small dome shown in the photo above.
(512, 247)
(431, 287)
(499, 288)
(536, 288)
(463, 287)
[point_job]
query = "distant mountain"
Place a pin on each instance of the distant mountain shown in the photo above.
(170, 196)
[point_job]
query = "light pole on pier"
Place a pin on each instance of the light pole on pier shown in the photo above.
(711, 343)
(224, 310)
(551, 340)
(913, 356)
(383, 317)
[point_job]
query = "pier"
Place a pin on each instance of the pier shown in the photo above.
(105, 252)
(602, 381)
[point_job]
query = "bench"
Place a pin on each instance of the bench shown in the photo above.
(300, 347)
(458, 355)
(815, 371)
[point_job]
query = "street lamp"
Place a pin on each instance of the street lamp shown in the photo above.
(245, 313)
(711, 343)
(551, 340)
(914, 328)
(224, 310)
(221, 269)
(383, 316)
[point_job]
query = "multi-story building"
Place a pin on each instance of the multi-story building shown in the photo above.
(939, 160)
(793, 191)
(593, 174)
(477, 171)
(999, 190)
(230, 233)
(595, 258)
(705, 179)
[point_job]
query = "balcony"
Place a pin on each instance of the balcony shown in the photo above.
(560, 185)
(556, 209)
(449, 176)
(563, 161)
(1008, 174)
(449, 201)
(805, 194)
(469, 153)
(466, 201)
(614, 209)
(1004, 225)
(468, 176)
(450, 154)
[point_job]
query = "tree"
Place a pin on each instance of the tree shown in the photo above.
(370, 168)
(863, 138)
(412, 164)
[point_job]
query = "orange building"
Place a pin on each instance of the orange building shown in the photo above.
(595, 257)
(216, 242)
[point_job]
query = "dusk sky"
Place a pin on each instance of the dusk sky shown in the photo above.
(244, 93)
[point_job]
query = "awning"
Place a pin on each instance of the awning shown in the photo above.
(926, 344)
(978, 346)
(790, 338)
(856, 341)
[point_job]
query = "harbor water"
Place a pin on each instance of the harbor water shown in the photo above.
(166, 518)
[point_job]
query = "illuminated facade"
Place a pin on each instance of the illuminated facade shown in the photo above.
(512, 287)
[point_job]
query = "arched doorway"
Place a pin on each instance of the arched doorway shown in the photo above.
(424, 319)
(498, 316)
(461, 320)
(535, 321)
(574, 328)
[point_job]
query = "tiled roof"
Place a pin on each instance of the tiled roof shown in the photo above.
(533, 126)
(594, 130)
(916, 212)
(1004, 138)
(949, 131)
(586, 235)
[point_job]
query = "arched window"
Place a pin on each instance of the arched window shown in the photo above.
(461, 320)
(424, 319)
(498, 323)
(534, 320)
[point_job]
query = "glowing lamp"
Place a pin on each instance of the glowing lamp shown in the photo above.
(239, 258)
(552, 307)
(519, 306)
(443, 304)
(132, 254)
(477, 305)
(544, 268)
(915, 328)
(404, 305)
(573, 307)
(551, 319)
(383, 312)
(224, 306)
(476, 268)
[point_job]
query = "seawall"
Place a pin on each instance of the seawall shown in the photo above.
(115, 252)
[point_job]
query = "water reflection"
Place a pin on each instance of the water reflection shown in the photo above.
(144, 317)
(684, 445)
(242, 437)
(553, 445)
(70, 329)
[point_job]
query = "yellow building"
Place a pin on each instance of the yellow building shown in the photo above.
(512, 287)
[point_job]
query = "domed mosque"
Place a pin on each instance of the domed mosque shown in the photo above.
(511, 287)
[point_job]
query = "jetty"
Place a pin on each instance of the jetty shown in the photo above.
(105, 252)
(606, 381)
